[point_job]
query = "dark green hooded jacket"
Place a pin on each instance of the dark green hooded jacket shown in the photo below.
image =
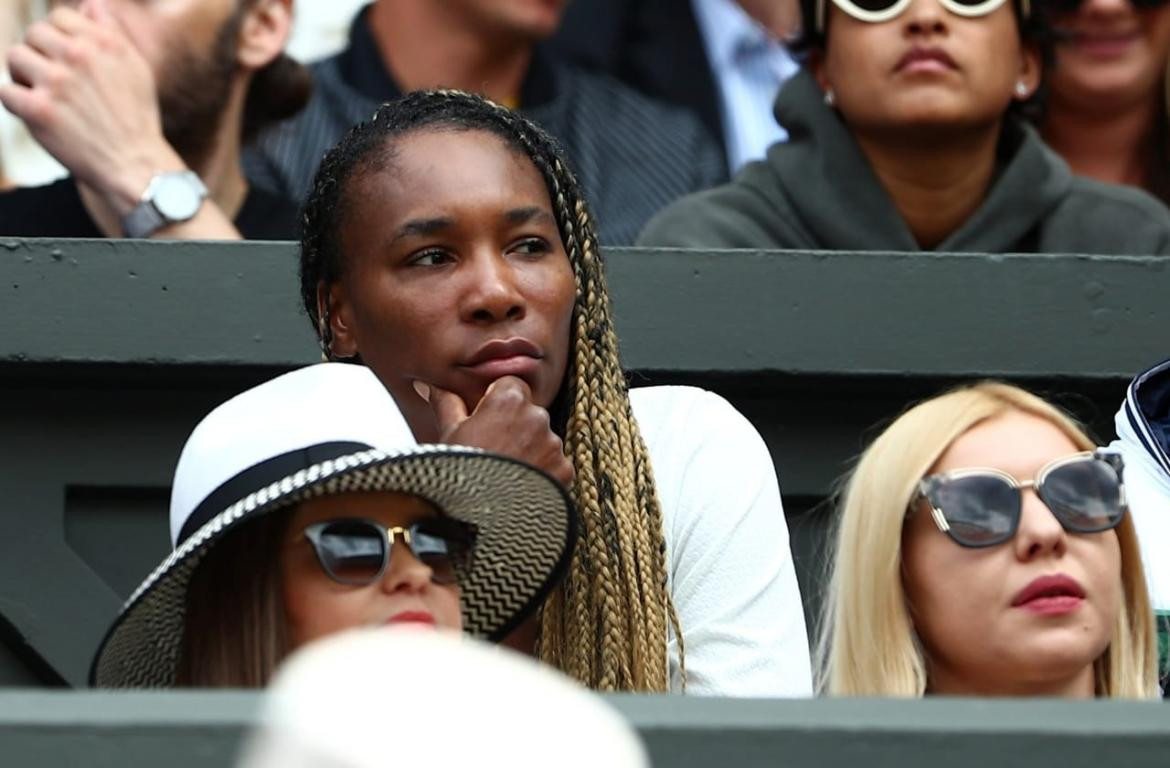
(817, 191)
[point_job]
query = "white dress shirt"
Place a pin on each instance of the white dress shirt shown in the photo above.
(749, 66)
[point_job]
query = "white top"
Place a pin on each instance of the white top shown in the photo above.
(1147, 489)
(749, 66)
(321, 29)
(730, 567)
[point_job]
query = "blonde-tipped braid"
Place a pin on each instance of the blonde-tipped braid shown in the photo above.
(607, 623)
(606, 626)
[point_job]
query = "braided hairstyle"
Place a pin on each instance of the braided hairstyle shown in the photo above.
(607, 624)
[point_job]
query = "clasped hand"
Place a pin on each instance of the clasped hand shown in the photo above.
(505, 421)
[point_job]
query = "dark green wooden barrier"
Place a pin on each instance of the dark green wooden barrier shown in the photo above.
(196, 730)
(111, 351)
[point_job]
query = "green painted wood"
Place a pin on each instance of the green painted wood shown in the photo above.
(805, 313)
(193, 729)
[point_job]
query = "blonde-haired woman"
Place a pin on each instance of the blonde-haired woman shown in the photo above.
(983, 549)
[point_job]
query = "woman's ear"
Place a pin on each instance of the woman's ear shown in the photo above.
(816, 65)
(1031, 70)
(334, 322)
(264, 32)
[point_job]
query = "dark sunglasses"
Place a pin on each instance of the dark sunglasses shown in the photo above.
(875, 11)
(981, 507)
(357, 551)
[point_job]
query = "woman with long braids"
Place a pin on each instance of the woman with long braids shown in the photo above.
(447, 247)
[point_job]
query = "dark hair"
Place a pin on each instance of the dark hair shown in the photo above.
(1157, 180)
(234, 629)
(1034, 30)
(606, 625)
(278, 91)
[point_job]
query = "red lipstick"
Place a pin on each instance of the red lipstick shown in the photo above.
(412, 617)
(1052, 595)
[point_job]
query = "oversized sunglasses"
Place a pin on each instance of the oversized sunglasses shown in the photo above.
(981, 507)
(875, 11)
(357, 551)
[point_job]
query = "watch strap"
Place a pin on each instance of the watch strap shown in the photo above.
(143, 221)
(146, 219)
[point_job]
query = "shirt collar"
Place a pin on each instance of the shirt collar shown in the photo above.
(727, 28)
(362, 67)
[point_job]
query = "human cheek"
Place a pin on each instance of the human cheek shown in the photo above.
(314, 606)
(445, 605)
(1103, 567)
(325, 612)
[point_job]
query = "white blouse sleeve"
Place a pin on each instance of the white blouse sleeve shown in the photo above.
(730, 567)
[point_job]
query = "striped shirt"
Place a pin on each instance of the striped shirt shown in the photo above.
(632, 155)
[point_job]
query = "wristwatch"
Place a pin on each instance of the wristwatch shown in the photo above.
(170, 198)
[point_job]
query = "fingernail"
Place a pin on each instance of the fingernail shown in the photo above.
(424, 390)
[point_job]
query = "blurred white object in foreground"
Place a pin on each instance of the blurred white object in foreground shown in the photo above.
(391, 697)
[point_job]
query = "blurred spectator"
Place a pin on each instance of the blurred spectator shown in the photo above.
(722, 59)
(147, 106)
(632, 154)
(320, 28)
(903, 137)
(22, 160)
(1143, 437)
(1106, 107)
(984, 549)
(446, 701)
(287, 530)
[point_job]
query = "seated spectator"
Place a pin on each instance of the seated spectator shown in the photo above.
(289, 528)
(1143, 438)
(984, 550)
(146, 105)
(1106, 107)
(903, 136)
(449, 247)
(634, 155)
(330, 704)
(722, 59)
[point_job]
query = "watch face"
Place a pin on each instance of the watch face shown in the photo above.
(177, 198)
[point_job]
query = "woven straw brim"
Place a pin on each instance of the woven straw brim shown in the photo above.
(525, 533)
